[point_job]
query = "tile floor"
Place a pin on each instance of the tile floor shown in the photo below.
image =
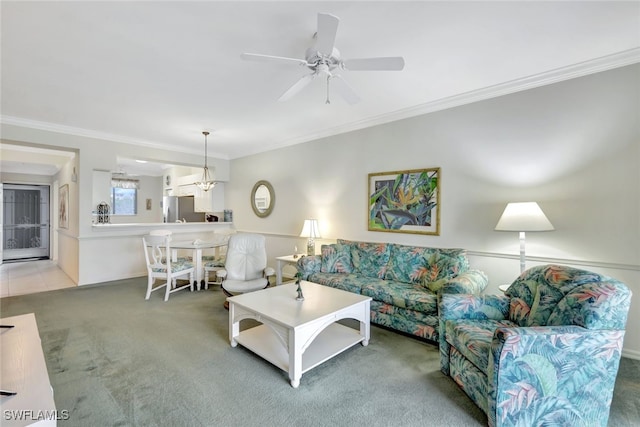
(19, 278)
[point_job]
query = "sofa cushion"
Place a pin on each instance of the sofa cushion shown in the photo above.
(435, 286)
(346, 282)
(472, 338)
(408, 264)
(370, 259)
(336, 258)
(445, 263)
(404, 295)
(402, 319)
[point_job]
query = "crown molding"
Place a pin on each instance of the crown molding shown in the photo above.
(592, 66)
(88, 133)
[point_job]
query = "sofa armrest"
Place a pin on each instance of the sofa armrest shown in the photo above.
(562, 372)
(307, 265)
(469, 282)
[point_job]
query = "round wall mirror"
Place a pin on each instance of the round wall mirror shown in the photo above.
(263, 198)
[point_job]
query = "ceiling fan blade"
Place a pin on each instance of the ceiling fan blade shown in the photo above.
(270, 58)
(344, 89)
(297, 87)
(390, 63)
(326, 35)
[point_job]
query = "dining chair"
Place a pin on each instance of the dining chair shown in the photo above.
(169, 233)
(157, 253)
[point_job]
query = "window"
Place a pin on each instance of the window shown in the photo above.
(124, 197)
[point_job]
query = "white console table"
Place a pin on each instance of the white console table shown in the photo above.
(23, 370)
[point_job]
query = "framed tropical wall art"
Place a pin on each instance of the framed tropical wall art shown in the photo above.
(405, 201)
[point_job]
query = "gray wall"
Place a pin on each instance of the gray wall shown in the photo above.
(574, 147)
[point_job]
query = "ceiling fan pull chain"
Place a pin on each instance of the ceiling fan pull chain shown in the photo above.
(327, 101)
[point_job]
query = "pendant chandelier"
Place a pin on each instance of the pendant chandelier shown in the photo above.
(207, 182)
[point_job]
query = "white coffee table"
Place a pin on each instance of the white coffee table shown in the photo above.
(297, 336)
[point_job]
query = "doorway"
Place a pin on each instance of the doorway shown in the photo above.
(25, 222)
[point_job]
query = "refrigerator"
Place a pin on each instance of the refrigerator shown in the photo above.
(178, 208)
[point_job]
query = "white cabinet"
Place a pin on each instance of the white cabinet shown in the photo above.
(209, 201)
(203, 203)
(101, 187)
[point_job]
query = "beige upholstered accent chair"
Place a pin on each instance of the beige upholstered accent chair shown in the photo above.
(245, 268)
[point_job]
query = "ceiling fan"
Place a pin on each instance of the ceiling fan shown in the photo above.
(324, 60)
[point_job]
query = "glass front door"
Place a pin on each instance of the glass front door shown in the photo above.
(25, 215)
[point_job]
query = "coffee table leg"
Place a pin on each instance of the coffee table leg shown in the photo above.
(234, 327)
(365, 329)
(295, 360)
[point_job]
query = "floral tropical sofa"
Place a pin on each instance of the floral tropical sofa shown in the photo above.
(545, 353)
(403, 281)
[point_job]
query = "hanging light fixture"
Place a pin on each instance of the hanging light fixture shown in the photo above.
(206, 183)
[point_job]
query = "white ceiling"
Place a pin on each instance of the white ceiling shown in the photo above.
(158, 73)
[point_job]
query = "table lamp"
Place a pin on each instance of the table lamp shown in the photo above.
(522, 217)
(311, 230)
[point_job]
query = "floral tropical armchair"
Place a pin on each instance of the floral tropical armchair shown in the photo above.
(547, 352)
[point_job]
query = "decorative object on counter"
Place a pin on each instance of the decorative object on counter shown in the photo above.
(263, 198)
(212, 218)
(300, 297)
(521, 217)
(311, 230)
(103, 213)
(228, 215)
(405, 201)
(63, 206)
(207, 182)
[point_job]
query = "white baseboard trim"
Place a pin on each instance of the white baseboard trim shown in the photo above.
(631, 354)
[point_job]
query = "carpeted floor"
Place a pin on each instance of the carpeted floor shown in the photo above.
(116, 359)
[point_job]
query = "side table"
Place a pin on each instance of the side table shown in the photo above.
(282, 261)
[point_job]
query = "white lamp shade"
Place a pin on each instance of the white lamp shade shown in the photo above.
(523, 216)
(310, 229)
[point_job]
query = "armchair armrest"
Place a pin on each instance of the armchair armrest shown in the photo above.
(269, 271)
(565, 372)
(469, 282)
(308, 265)
(459, 306)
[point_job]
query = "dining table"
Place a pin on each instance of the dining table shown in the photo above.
(196, 246)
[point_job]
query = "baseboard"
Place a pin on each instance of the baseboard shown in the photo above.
(631, 354)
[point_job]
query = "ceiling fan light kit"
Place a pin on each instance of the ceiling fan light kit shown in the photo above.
(324, 60)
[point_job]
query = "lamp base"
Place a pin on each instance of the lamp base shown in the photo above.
(311, 247)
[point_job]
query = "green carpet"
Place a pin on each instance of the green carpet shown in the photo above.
(116, 359)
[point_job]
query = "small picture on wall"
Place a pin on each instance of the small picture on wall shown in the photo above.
(63, 206)
(405, 201)
(149, 204)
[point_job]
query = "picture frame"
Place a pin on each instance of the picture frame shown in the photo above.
(63, 206)
(405, 201)
(148, 204)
